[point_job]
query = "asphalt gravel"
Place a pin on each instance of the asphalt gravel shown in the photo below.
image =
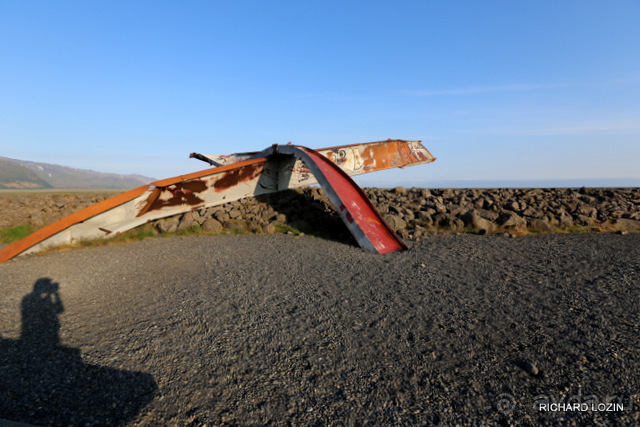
(284, 330)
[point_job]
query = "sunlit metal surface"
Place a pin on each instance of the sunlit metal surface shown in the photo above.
(239, 175)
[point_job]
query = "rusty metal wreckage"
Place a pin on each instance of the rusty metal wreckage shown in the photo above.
(235, 176)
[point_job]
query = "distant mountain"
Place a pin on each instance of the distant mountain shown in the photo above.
(23, 174)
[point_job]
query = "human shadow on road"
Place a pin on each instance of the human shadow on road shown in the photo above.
(44, 383)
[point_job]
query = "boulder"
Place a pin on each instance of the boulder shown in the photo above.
(440, 208)
(167, 225)
(271, 228)
(400, 190)
(235, 213)
(424, 216)
(383, 208)
(510, 219)
(512, 206)
(188, 221)
(448, 194)
(473, 219)
(395, 222)
(583, 220)
(446, 220)
(236, 224)
(221, 216)
(531, 212)
(212, 225)
(565, 220)
(490, 215)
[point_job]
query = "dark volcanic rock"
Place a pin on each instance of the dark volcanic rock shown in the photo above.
(433, 211)
(473, 219)
(395, 222)
(509, 219)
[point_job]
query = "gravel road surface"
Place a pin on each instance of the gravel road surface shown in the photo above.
(210, 330)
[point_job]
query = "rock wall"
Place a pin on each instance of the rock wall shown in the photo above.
(413, 212)
(39, 208)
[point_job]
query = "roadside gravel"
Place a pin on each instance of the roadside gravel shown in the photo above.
(276, 329)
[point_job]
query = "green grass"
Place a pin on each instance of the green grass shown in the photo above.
(191, 231)
(284, 229)
(129, 236)
(13, 234)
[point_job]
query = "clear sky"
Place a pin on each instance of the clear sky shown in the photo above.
(496, 90)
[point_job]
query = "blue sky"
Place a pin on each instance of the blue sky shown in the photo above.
(498, 91)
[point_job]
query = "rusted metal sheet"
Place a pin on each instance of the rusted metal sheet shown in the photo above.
(354, 159)
(355, 209)
(246, 174)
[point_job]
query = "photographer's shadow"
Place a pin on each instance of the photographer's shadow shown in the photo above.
(44, 383)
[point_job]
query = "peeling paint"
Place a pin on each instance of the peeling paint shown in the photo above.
(183, 193)
(236, 176)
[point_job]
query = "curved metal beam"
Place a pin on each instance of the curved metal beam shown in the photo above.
(360, 216)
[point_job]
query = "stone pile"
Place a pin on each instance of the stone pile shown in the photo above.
(305, 210)
(418, 212)
(411, 212)
(38, 209)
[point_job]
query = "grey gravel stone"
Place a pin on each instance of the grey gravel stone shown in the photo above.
(531, 368)
(254, 330)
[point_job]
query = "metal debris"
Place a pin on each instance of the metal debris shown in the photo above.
(277, 168)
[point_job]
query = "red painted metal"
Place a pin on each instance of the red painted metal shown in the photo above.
(360, 216)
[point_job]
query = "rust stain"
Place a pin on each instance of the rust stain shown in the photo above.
(406, 154)
(236, 176)
(378, 152)
(182, 193)
(104, 230)
(396, 151)
(155, 193)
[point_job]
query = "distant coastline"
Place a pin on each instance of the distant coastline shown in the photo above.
(488, 184)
